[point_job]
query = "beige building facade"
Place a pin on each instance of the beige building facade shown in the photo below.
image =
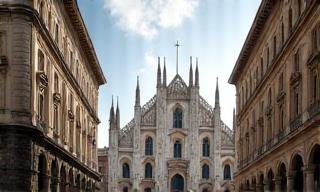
(277, 83)
(176, 142)
(49, 81)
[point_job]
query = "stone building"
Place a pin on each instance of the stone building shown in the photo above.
(103, 164)
(176, 142)
(278, 99)
(49, 81)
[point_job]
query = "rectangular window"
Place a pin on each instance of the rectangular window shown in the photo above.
(40, 60)
(56, 83)
(56, 33)
(274, 46)
(296, 61)
(281, 82)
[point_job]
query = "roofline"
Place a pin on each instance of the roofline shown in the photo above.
(255, 31)
(73, 11)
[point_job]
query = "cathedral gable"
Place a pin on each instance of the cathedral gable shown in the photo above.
(126, 135)
(148, 113)
(177, 89)
(206, 113)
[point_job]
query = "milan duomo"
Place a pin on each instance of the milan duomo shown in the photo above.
(175, 142)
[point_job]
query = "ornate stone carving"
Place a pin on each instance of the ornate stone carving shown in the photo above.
(148, 116)
(42, 79)
(295, 77)
(206, 113)
(177, 89)
(57, 98)
(70, 115)
(227, 135)
(126, 135)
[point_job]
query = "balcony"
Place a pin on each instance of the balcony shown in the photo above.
(296, 123)
(314, 109)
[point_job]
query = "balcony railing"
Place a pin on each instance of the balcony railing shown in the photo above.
(296, 123)
(314, 109)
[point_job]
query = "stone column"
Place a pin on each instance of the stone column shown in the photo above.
(289, 183)
(267, 185)
(278, 184)
(309, 177)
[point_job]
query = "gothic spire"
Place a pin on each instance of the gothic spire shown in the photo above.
(159, 74)
(137, 103)
(190, 73)
(111, 117)
(217, 97)
(118, 114)
(197, 74)
(164, 72)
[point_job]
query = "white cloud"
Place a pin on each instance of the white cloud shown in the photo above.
(146, 17)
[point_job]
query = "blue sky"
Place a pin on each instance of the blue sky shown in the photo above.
(129, 35)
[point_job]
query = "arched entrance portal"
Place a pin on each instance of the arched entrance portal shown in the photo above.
(177, 183)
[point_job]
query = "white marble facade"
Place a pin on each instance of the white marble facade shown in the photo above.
(175, 142)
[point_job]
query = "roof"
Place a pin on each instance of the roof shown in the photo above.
(72, 9)
(259, 22)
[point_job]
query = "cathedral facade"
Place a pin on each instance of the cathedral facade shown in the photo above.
(175, 142)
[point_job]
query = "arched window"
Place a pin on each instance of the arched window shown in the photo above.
(177, 118)
(147, 190)
(177, 149)
(205, 147)
(125, 171)
(148, 170)
(227, 172)
(290, 21)
(205, 171)
(149, 146)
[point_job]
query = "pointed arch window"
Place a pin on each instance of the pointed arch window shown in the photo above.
(148, 171)
(227, 172)
(125, 170)
(205, 171)
(149, 146)
(177, 118)
(205, 147)
(177, 149)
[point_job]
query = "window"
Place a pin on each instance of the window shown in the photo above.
(148, 171)
(177, 149)
(268, 57)
(125, 171)
(282, 33)
(227, 172)
(315, 85)
(281, 82)
(261, 68)
(56, 83)
(281, 122)
(274, 46)
(56, 33)
(290, 21)
(149, 146)
(71, 61)
(125, 189)
(315, 39)
(40, 61)
(41, 106)
(205, 147)
(147, 190)
(41, 11)
(205, 171)
(177, 118)
(297, 61)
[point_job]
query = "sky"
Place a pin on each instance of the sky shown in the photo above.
(129, 35)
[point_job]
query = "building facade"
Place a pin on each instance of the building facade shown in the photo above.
(176, 142)
(103, 166)
(49, 81)
(278, 92)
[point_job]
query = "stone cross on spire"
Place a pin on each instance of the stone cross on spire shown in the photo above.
(177, 45)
